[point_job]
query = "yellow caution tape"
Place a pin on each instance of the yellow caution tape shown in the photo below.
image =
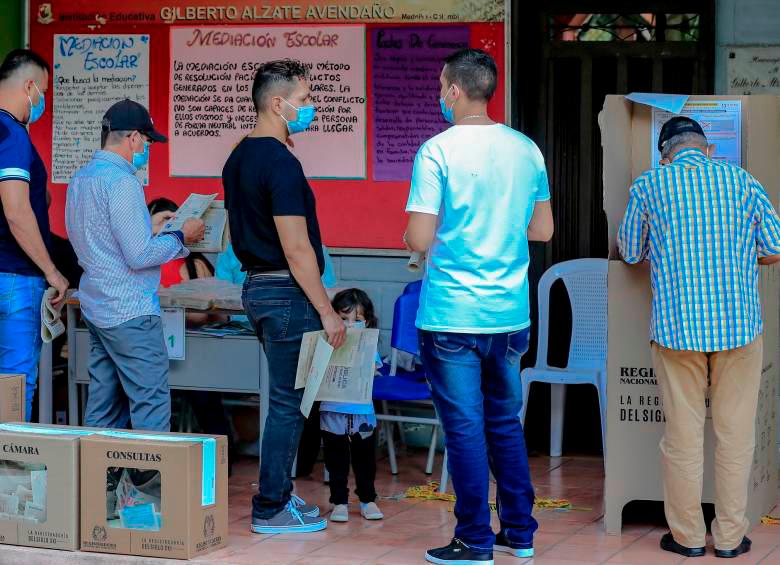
(431, 492)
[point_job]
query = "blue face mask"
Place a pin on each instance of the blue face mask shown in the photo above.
(36, 110)
(141, 159)
(448, 113)
(303, 120)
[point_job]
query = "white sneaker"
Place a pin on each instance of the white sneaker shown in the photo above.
(340, 513)
(371, 511)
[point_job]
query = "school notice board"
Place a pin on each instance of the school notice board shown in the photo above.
(374, 74)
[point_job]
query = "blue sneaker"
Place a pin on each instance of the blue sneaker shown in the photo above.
(309, 510)
(289, 520)
(517, 549)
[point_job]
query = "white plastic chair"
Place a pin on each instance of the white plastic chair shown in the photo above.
(586, 284)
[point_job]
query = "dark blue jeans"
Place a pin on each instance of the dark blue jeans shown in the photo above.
(280, 314)
(475, 385)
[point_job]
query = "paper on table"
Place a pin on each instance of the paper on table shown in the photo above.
(319, 365)
(194, 207)
(51, 324)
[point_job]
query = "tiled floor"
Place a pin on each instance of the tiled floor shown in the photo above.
(412, 526)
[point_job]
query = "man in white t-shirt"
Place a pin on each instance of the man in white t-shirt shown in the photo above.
(479, 193)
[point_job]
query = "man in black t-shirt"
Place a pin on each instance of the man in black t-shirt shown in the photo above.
(276, 236)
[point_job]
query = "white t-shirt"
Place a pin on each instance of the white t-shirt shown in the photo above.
(483, 182)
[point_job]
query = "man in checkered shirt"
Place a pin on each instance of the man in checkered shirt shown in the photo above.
(705, 226)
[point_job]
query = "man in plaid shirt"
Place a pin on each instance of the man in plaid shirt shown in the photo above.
(705, 226)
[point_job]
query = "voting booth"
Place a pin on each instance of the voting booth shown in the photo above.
(746, 131)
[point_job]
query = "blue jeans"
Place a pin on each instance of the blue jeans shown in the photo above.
(20, 329)
(475, 385)
(280, 314)
(128, 376)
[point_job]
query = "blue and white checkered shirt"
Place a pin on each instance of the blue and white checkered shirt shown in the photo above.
(111, 231)
(703, 225)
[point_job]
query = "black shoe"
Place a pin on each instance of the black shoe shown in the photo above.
(668, 544)
(516, 549)
(458, 553)
(744, 547)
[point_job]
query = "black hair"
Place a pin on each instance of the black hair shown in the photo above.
(349, 300)
(474, 71)
(162, 205)
(20, 58)
(273, 72)
(167, 205)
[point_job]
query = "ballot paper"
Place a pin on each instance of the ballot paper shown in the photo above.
(342, 375)
(51, 324)
(215, 238)
(193, 208)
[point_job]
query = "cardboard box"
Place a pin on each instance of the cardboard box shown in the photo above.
(41, 462)
(187, 502)
(12, 398)
(635, 421)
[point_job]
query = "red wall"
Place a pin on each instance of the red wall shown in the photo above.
(352, 213)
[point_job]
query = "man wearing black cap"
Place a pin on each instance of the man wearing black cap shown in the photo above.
(705, 226)
(118, 247)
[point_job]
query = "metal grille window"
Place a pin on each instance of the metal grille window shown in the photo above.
(624, 27)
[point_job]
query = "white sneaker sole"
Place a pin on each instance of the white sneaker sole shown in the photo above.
(526, 553)
(299, 529)
(373, 516)
(431, 559)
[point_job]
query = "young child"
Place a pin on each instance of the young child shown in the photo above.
(348, 429)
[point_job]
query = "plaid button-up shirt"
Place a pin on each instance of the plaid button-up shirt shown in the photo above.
(703, 225)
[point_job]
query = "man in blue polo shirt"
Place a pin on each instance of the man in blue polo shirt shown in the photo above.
(25, 264)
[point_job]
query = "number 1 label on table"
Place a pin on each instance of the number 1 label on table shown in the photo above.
(173, 330)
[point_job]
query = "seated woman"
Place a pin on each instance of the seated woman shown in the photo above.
(207, 406)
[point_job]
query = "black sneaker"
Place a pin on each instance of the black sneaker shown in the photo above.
(668, 544)
(744, 547)
(458, 553)
(517, 549)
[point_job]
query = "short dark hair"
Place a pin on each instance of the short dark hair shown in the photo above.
(273, 72)
(349, 300)
(474, 71)
(18, 59)
(162, 205)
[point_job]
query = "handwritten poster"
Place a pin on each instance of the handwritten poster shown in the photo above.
(405, 80)
(754, 70)
(211, 95)
(92, 72)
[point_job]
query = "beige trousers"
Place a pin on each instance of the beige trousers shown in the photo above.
(734, 380)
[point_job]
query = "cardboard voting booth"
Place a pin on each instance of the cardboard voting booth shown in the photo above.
(154, 494)
(12, 398)
(635, 419)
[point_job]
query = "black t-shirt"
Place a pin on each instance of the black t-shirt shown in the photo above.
(262, 179)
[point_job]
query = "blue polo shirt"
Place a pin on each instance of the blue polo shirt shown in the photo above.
(20, 161)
